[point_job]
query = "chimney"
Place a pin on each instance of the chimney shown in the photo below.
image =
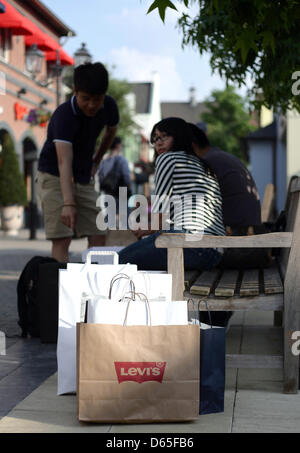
(193, 101)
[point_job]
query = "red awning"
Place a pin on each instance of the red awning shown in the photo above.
(21, 25)
(65, 59)
(14, 20)
(41, 39)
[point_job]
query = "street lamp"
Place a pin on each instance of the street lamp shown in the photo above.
(82, 56)
(34, 60)
(57, 70)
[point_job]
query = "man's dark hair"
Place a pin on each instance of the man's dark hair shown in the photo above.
(116, 142)
(92, 78)
(200, 136)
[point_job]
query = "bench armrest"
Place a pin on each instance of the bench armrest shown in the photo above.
(181, 240)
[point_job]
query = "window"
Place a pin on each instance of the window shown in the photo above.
(5, 43)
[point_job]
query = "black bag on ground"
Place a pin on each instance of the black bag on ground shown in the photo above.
(47, 296)
(28, 309)
(37, 293)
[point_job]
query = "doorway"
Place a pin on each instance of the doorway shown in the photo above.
(30, 157)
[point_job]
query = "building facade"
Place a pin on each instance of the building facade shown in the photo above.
(27, 100)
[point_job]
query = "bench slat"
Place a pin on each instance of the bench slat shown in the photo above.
(269, 240)
(250, 283)
(189, 278)
(271, 302)
(204, 283)
(227, 284)
(272, 281)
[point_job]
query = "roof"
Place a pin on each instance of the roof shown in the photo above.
(142, 92)
(264, 133)
(42, 12)
(186, 110)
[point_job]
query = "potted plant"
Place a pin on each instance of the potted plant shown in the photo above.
(13, 195)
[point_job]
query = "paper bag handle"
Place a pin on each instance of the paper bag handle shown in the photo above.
(102, 253)
(208, 311)
(119, 277)
(147, 303)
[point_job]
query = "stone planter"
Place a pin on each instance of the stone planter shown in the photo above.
(12, 219)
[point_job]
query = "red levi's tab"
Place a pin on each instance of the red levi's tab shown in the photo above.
(140, 371)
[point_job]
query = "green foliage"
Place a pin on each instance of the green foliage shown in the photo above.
(12, 185)
(162, 5)
(119, 89)
(227, 120)
(248, 38)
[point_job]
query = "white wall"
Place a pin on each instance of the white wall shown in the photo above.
(293, 144)
(147, 120)
(261, 165)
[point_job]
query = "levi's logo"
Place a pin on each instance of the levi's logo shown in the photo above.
(140, 371)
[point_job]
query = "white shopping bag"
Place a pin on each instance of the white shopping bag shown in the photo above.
(73, 283)
(98, 256)
(100, 259)
(155, 285)
(136, 312)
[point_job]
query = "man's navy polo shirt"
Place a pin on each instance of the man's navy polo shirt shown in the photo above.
(69, 124)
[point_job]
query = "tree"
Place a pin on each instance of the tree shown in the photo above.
(12, 185)
(227, 120)
(255, 38)
(119, 89)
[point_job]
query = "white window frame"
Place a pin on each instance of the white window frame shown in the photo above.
(5, 44)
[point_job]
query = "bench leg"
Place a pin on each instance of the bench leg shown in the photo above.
(291, 361)
(176, 268)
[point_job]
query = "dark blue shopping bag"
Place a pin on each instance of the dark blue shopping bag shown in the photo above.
(212, 370)
(212, 365)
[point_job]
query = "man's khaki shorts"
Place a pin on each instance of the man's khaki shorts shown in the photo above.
(50, 194)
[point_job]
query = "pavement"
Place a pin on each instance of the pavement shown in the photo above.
(254, 402)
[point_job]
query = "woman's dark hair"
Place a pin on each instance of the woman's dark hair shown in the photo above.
(200, 136)
(92, 78)
(182, 134)
(179, 130)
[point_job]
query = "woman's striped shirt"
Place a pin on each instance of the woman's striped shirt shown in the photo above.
(189, 193)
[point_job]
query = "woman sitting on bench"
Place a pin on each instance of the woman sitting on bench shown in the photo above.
(188, 200)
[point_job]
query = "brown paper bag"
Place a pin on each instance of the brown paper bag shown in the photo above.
(137, 374)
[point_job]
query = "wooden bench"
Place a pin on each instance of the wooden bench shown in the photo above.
(274, 289)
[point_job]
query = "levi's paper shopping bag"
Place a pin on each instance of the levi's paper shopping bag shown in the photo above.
(137, 374)
(73, 283)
